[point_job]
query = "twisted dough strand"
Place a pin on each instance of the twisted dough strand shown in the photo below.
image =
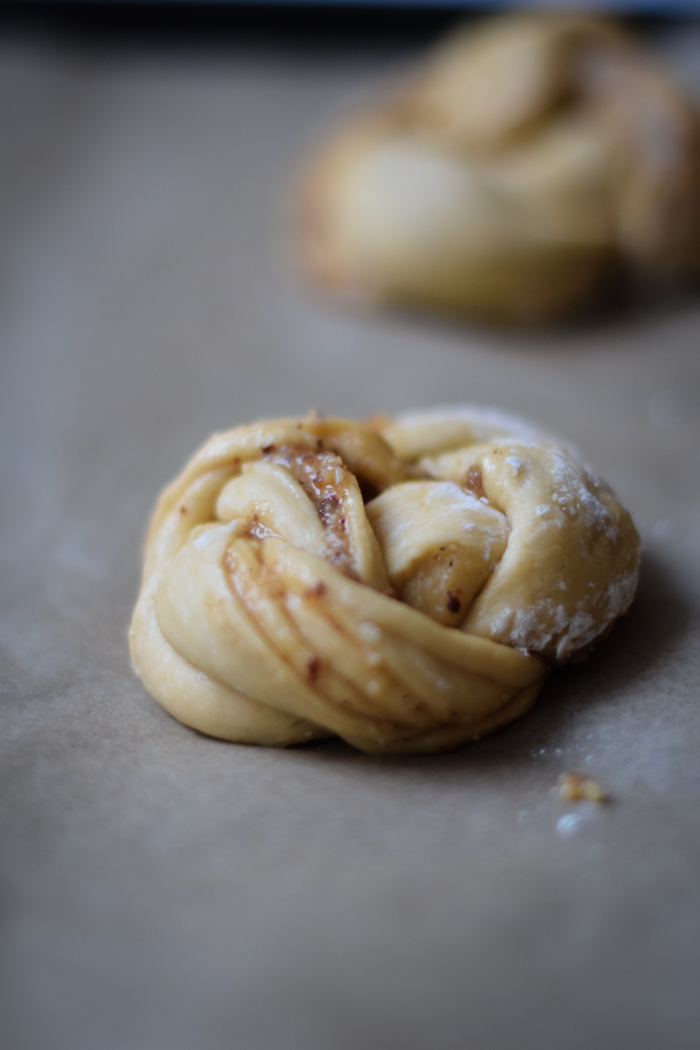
(303, 578)
(532, 165)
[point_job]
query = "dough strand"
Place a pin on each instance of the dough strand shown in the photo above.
(405, 584)
(529, 170)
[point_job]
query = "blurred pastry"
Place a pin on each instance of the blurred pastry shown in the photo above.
(405, 584)
(531, 167)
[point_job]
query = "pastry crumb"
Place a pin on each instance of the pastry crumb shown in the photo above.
(574, 787)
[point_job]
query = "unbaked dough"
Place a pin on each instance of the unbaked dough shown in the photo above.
(529, 169)
(405, 583)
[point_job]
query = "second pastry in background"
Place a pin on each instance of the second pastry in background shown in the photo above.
(530, 168)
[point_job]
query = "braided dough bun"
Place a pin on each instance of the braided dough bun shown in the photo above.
(405, 584)
(530, 166)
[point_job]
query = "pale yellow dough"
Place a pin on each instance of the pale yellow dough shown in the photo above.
(405, 584)
(530, 167)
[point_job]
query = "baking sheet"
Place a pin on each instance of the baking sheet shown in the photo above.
(164, 891)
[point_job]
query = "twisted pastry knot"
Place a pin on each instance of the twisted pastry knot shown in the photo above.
(404, 584)
(530, 167)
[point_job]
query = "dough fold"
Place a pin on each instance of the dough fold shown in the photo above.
(528, 170)
(404, 584)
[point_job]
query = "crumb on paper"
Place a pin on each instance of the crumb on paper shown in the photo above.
(574, 787)
(569, 824)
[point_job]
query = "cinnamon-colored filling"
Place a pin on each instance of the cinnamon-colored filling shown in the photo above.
(325, 480)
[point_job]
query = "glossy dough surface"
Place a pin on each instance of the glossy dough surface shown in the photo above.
(404, 584)
(528, 169)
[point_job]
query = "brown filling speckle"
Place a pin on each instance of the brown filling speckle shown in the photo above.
(474, 483)
(317, 591)
(313, 666)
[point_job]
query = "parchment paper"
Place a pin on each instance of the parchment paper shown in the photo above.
(164, 891)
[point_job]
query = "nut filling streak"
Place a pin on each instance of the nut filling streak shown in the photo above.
(405, 583)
